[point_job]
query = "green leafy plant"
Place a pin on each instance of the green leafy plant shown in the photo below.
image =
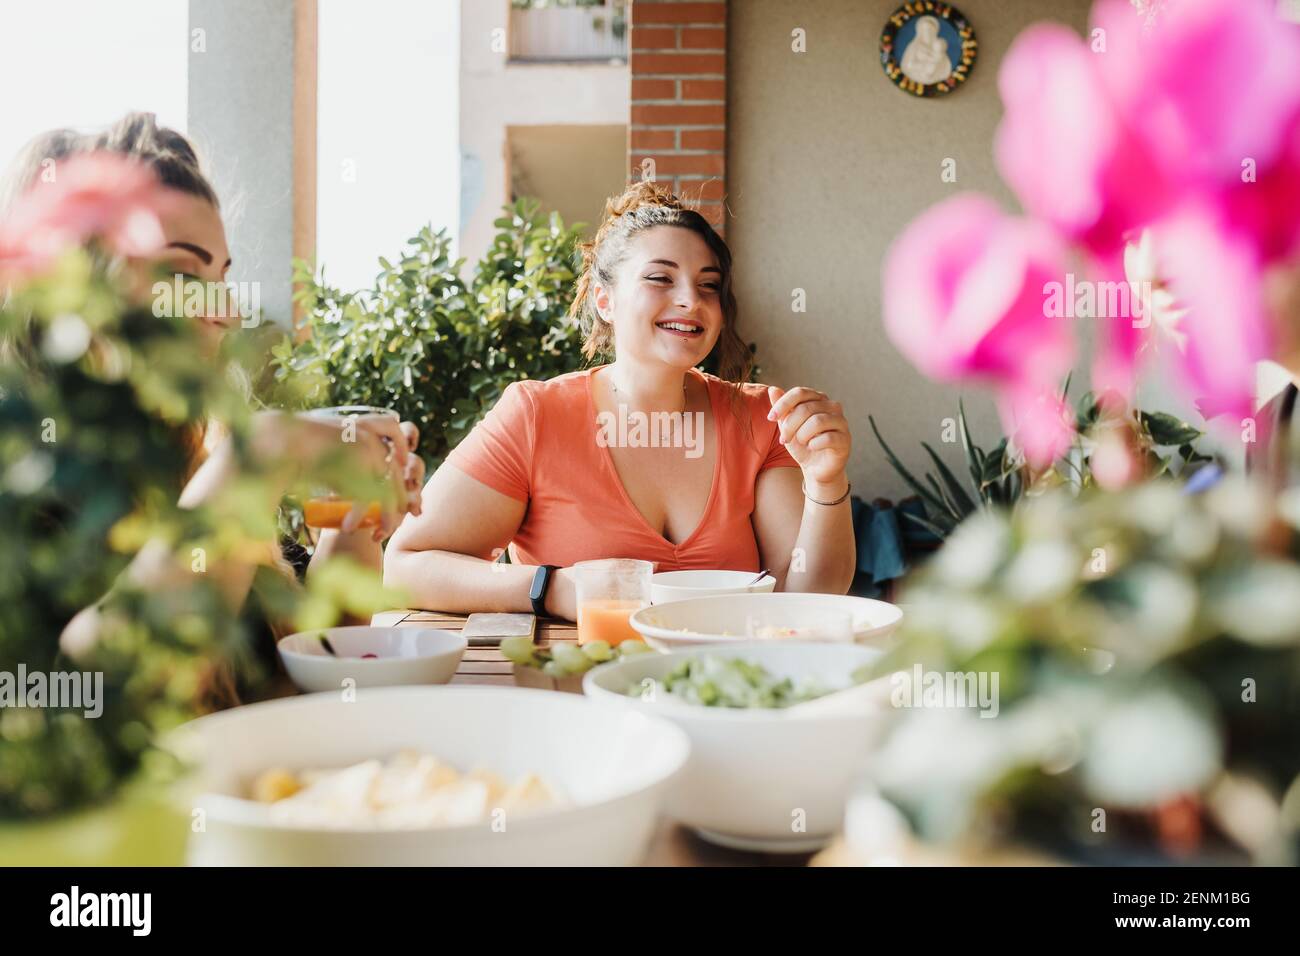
(99, 397)
(437, 348)
(1000, 476)
(1146, 644)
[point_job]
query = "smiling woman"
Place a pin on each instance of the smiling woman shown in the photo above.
(137, 195)
(646, 457)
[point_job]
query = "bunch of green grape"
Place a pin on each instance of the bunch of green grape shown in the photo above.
(567, 660)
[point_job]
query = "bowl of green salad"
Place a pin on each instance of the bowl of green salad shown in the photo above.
(779, 733)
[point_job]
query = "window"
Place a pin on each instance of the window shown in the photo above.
(84, 63)
(387, 134)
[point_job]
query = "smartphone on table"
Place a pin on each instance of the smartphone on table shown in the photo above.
(487, 629)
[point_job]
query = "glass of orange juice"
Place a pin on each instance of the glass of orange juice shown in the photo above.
(325, 509)
(609, 591)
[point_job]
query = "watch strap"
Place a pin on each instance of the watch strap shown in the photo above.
(541, 584)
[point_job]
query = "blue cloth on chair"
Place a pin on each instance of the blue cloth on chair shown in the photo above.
(881, 555)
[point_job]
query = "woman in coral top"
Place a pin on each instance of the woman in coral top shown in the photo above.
(645, 457)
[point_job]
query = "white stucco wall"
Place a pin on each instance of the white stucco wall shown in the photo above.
(496, 94)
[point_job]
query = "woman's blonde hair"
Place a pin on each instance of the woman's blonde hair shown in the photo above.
(36, 155)
(645, 206)
(170, 156)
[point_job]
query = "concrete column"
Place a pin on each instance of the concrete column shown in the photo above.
(241, 115)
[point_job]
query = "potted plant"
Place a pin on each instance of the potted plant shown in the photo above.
(1111, 675)
(100, 394)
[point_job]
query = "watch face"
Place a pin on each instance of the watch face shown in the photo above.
(540, 580)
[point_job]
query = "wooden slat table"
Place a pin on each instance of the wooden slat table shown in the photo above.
(673, 844)
(480, 665)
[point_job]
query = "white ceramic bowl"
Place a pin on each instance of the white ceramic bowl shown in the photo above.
(403, 655)
(669, 586)
(714, 620)
(614, 767)
(760, 779)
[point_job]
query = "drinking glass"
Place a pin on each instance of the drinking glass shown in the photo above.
(325, 508)
(609, 591)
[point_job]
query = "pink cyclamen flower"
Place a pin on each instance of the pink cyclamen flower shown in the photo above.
(1213, 93)
(1066, 150)
(1212, 84)
(1194, 120)
(1038, 419)
(96, 196)
(1218, 280)
(965, 299)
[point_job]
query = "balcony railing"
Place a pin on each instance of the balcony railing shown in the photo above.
(568, 33)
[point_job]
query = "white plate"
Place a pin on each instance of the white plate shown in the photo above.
(403, 655)
(770, 780)
(712, 620)
(614, 767)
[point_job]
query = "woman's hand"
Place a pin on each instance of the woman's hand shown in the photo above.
(377, 449)
(815, 432)
(389, 448)
(380, 446)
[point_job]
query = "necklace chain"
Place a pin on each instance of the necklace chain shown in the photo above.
(685, 398)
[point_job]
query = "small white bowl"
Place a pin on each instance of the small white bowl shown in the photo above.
(669, 586)
(403, 655)
(773, 780)
(718, 620)
(614, 768)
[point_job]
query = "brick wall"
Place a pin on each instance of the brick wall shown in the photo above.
(678, 58)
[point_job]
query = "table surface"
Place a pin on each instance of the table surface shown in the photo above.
(673, 844)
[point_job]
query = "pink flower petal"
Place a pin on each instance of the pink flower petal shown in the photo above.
(1064, 147)
(96, 196)
(1039, 422)
(964, 295)
(1216, 275)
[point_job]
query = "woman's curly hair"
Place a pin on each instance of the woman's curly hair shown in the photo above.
(643, 206)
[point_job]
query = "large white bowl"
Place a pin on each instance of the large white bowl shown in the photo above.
(403, 655)
(760, 779)
(614, 767)
(669, 586)
(715, 620)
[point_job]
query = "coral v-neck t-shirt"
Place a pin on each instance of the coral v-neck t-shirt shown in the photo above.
(541, 444)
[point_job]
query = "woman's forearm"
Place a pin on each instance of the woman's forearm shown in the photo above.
(360, 546)
(458, 583)
(824, 558)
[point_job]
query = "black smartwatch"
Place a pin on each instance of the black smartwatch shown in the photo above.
(537, 593)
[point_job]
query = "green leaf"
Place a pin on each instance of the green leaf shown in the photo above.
(938, 530)
(1166, 429)
(974, 454)
(995, 464)
(951, 509)
(932, 501)
(965, 505)
(1088, 412)
(1190, 454)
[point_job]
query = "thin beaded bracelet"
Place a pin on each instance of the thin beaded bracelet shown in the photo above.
(804, 488)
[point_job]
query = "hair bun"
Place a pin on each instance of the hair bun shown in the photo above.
(639, 194)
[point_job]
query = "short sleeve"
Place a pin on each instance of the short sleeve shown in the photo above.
(499, 449)
(778, 455)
